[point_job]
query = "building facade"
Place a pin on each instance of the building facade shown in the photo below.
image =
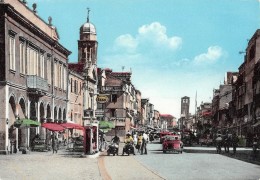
(33, 76)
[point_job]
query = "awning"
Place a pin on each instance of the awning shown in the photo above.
(53, 126)
(106, 125)
(256, 124)
(69, 125)
(26, 123)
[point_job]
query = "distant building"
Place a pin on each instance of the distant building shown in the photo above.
(185, 106)
(168, 121)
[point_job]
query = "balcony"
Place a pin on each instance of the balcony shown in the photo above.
(112, 89)
(37, 85)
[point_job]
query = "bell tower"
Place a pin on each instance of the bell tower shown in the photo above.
(87, 44)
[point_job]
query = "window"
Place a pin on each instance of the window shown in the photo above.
(71, 85)
(49, 72)
(252, 52)
(75, 87)
(114, 98)
(32, 61)
(12, 52)
(65, 78)
(55, 74)
(59, 75)
(113, 113)
(22, 57)
(41, 66)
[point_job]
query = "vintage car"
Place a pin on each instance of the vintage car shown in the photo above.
(172, 144)
(163, 134)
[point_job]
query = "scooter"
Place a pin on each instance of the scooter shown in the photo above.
(128, 149)
(112, 149)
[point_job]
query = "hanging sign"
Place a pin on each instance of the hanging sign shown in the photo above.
(102, 99)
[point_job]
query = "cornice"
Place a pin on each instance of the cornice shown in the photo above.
(35, 30)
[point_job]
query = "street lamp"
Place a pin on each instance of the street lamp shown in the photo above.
(115, 122)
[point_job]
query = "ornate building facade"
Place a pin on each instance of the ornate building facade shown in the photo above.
(33, 76)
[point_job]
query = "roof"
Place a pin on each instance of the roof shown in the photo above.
(166, 116)
(33, 18)
(77, 67)
(112, 81)
(88, 28)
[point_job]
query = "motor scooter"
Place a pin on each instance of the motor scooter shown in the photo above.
(113, 149)
(128, 149)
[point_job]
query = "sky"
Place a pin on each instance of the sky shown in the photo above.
(174, 48)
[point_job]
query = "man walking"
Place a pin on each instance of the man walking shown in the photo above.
(144, 143)
(54, 141)
(234, 142)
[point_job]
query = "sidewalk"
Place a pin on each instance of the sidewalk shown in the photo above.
(242, 153)
(46, 165)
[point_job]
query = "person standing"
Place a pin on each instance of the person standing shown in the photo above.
(234, 141)
(54, 140)
(226, 142)
(139, 142)
(135, 139)
(144, 143)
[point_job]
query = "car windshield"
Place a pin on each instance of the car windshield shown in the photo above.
(171, 138)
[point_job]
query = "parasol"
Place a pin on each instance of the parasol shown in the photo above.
(106, 125)
(53, 126)
(69, 125)
(26, 123)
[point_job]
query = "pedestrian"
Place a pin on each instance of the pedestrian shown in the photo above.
(218, 143)
(135, 139)
(54, 143)
(234, 141)
(226, 142)
(144, 143)
(139, 142)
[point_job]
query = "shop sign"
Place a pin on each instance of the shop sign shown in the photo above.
(102, 99)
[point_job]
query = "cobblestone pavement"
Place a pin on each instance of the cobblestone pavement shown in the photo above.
(45, 165)
(68, 166)
(125, 167)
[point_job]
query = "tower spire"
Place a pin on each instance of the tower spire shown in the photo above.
(88, 14)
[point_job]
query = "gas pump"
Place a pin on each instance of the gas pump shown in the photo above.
(91, 138)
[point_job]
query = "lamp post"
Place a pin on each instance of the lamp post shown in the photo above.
(115, 122)
(181, 123)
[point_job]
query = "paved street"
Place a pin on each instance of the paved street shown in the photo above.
(45, 165)
(155, 165)
(197, 165)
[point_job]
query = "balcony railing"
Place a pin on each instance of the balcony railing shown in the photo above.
(36, 84)
(112, 88)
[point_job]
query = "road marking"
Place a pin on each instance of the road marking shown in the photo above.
(102, 169)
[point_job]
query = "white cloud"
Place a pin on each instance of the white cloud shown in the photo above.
(127, 42)
(151, 35)
(211, 56)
